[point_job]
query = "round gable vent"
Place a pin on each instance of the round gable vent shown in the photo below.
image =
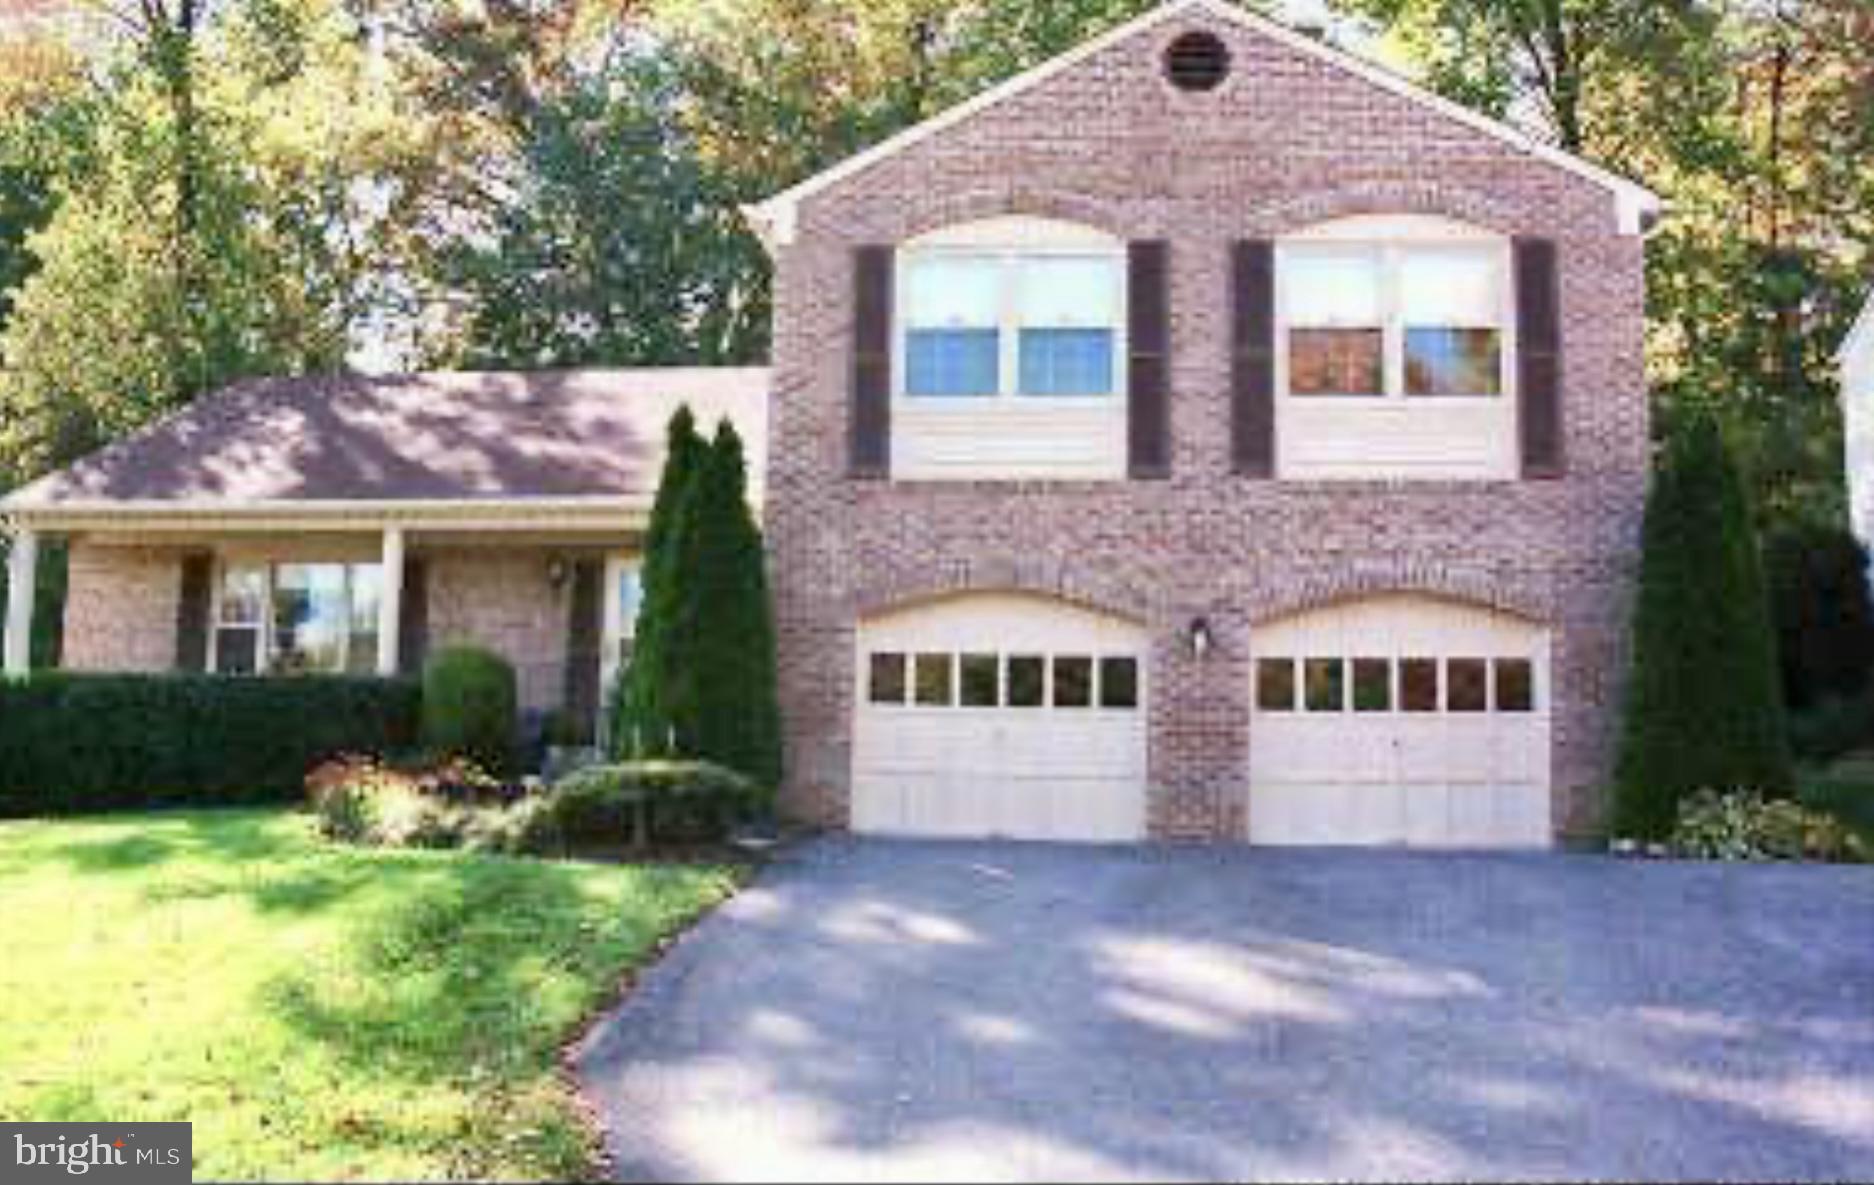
(1197, 62)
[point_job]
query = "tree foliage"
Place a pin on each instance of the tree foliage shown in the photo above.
(613, 244)
(1824, 618)
(1704, 709)
(644, 713)
(701, 682)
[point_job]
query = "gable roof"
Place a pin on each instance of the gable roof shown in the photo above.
(336, 442)
(1862, 331)
(775, 218)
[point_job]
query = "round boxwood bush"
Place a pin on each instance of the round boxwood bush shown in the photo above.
(469, 706)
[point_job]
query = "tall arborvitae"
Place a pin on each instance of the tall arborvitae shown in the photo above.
(641, 715)
(723, 697)
(1703, 707)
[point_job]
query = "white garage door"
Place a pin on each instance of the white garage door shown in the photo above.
(1000, 715)
(1400, 720)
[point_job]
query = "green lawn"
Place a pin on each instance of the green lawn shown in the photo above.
(318, 1013)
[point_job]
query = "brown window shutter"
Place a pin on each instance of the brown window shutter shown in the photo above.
(1252, 358)
(1538, 357)
(413, 617)
(1148, 362)
(192, 609)
(871, 361)
(584, 642)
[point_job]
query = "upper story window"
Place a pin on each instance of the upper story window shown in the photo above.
(1380, 316)
(1037, 314)
(1010, 340)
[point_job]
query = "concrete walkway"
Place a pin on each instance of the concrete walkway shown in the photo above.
(901, 1011)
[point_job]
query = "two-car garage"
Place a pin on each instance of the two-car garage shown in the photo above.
(1396, 719)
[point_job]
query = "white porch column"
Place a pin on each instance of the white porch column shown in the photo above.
(22, 586)
(390, 603)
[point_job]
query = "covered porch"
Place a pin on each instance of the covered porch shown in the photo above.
(552, 589)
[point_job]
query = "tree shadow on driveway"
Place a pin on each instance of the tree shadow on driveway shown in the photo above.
(909, 1011)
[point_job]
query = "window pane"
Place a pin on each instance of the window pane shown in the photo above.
(367, 592)
(1453, 362)
(1027, 681)
(885, 681)
(1067, 362)
(1418, 684)
(243, 595)
(237, 650)
(1516, 685)
(1331, 286)
(952, 292)
(1119, 682)
(1336, 362)
(1055, 292)
(1372, 685)
(934, 678)
(951, 362)
(1324, 684)
(982, 675)
(1073, 682)
(630, 598)
(1467, 682)
(1450, 286)
(1275, 684)
(310, 616)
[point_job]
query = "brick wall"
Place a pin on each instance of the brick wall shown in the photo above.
(502, 600)
(120, 608)
(1286, 142)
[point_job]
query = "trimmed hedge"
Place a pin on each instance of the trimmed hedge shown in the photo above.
(75, 743)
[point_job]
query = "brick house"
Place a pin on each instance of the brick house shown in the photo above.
(1204, 434)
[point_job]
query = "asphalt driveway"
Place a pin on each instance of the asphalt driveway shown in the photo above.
(900, 1011)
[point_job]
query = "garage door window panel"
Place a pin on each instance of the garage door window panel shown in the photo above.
(1028, 681)
(885, 678)
(1275, 684)
(1073, 681)
(1467, 685)
(1418, 684)
(981, 680)
(1372, 685)
(935, 680)
(1515, 685)
(1119, 683)
(1324, 684)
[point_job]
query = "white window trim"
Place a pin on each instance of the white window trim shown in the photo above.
(1392, 252)
(616, 629)
(265, 631)
(1007, 242)
(1305, 422)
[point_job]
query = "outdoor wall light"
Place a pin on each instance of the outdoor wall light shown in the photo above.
(558, 572)
(1198, 635)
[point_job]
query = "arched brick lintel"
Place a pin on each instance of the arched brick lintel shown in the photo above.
(936, 211)
(888, 591)
(1515, 595)
(1296, 213)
